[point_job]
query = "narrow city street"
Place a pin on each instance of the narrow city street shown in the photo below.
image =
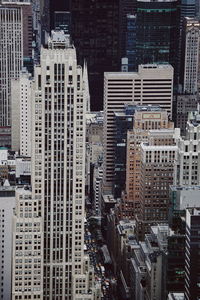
(103, 274)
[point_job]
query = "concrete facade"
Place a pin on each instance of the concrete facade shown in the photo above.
(152, 84)
(7, 205)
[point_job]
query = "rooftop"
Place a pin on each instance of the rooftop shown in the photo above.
(130, 109)
(176, 296)
(109, 198)
(156, 0)
(59, 40)
(175, 188)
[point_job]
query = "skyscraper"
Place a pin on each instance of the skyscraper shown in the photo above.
(157, 32)
(126, 7)
(152, 84)
(21, 113)
(131, 42)
(98, 43)
(11, 56)
(7, 204)
(192, 257)
(15, 48)
(58, 169)
(27, 262)
(145, 119)
(158, 156)
(61, 6)
(188, 8)
(190, 55)
(187, 168)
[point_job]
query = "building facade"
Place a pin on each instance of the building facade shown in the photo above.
(192, 259)
(152, 84)
(187, 167)
(58, 169)
(158, 156)
(157, 32)
(11, 30)
(131, 42)
(27, 262)
(21, 113)
(191, 41)
(184, 105)
(145, 119)
(7, 204)
(16, 50)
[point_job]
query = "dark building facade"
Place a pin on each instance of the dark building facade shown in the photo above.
(184, 104)
(192, 254)
(175, 272)
(126, 7)
(95, 33)
(131, 42)
(55, 6)
(62, 21)
(158, 32)
(124, 121)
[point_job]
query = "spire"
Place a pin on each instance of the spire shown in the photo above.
(86, 86)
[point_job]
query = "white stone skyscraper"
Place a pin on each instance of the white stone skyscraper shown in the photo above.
(15, 49)
(21, 99)
(191, 31)
(58, 170)
(27, 250)
(11, 56)
(187, 167)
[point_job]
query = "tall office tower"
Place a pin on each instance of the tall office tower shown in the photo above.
(185, 104)
(158, 156)
(152, 84)
(131, 42)
(190, 55)
(45, 19)
(26, 8)
(124, 121)
(62, 21)
(187, 168)
(197, 7)
(157, 32)
(181, 197)
(37, 29)
(192, 258)
(27, 262)
(126, 7)
(58, 169)
(145, 119)
(98, 43)
(15, 47)
(21, 127)
(57, 6)
(7, 204)
(188, 8)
